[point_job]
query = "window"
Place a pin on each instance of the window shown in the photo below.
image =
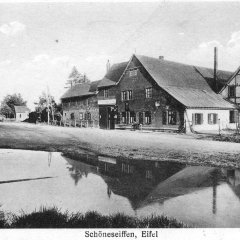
(126, 95)
(172, 117)
(132, 117)
(126, 168)
(169, 117)
(87, 116)
(129, 94)
(148, 119)
(149, 174)
(72, 116)
(197, 118)
(132, 72)
(105, 93)
(20, 115)
(212, 118)
(231, 91)
(232, 116)
(123, 117)
(81, 116)
(148, 92)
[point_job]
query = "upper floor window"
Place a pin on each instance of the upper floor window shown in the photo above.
(132, 72)
(148, 92)
(105, 93)
(231, 91)
(197, 118)
(212, 118)
(127, 95)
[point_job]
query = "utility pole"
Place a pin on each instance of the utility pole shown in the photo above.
(48, 103)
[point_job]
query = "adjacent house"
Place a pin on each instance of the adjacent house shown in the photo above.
(107, 96)
(231, 92)
(161, 94)
(21, 113)
(80, 107)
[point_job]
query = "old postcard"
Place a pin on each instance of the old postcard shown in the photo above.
(119, 119)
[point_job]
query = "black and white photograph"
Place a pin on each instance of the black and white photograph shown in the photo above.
(119, 119)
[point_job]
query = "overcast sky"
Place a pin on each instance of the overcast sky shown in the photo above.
(88, 34)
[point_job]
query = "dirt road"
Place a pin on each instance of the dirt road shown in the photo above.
(119, 143)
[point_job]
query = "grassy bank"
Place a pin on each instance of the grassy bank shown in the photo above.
(227, 138)
(54, 218)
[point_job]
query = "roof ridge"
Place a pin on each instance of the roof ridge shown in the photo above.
(180, 63)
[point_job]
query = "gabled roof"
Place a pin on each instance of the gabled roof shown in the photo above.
(231, 78)
(113, 75)
(208, 74)
(21, 109)
(184, 83)
(81, 90)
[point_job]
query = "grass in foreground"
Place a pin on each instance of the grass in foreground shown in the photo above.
(227, 138)
(54, 218)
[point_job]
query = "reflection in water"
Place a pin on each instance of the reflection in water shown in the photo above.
(49, 158)
(202, 196)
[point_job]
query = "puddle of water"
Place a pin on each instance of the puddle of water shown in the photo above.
(202, 196)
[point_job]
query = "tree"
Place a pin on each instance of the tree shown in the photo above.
(8, 103)
(47, 104)
(77, 78)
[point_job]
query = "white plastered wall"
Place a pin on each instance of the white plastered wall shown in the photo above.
(223, 120)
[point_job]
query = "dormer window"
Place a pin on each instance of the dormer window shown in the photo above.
(133, 73)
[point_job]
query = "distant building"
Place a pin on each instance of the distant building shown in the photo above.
(21, 113)
(80, 106)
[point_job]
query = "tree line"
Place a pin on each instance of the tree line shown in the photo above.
(45, 104)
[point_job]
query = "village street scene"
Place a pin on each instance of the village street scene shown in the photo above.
(121, 115)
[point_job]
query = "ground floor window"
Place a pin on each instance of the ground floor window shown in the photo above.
(81, 116)
(128, 117)
(124, 117)
(212, 118)
(197, 118)
(169, 117)
(132, 117)
(72, 116)
(233, 116)
(148, 118)
(88, 116)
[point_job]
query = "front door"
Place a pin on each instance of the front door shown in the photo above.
(103, 117)
(111, 120)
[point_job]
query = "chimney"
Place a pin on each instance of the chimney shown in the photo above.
(161, 57)
(215, 83)
(108, 65)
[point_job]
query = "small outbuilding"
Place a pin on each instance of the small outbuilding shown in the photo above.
(21, 113)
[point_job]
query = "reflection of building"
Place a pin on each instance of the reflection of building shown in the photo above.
(233, 179)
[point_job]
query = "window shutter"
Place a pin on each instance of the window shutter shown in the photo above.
(215, 118)
(209, 118)
(193, 119)
(201, 117)
(235, 116)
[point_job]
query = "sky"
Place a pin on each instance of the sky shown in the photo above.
(41, 42)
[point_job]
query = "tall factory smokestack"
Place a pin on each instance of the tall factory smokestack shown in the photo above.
(215, 84)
